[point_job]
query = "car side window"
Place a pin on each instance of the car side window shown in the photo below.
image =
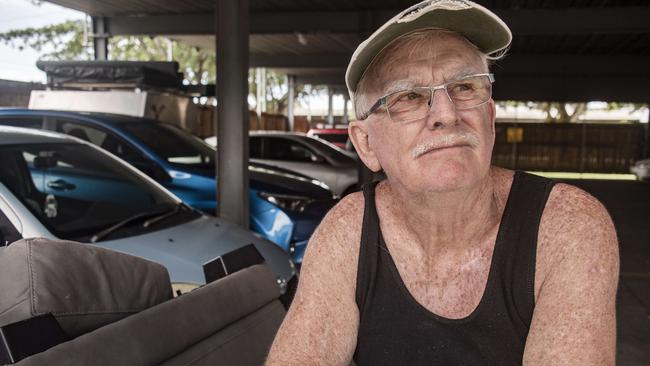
(100, 138)
(283, 149)
(8, 233)
(22, 121)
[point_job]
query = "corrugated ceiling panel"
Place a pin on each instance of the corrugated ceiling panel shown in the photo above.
(114, 7)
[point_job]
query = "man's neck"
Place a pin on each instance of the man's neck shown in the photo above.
(451, 220)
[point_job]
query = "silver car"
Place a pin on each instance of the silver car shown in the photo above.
(60, 187)
(307, 155)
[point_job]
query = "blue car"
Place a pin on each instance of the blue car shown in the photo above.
(57, 187)
(285, 207)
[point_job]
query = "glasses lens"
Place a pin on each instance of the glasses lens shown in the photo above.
(470, 92)
(409, 105)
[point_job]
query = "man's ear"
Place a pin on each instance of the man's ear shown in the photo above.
(492, 110)
(358, 131)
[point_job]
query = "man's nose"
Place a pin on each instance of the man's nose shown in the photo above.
(442, 111)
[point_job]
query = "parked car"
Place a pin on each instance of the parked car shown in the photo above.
(307, 155)
(285, 208)
(60, 187)
(337, 136)
(641, 169)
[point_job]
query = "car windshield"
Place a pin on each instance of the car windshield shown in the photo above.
(171, 143)
(333, 137)
(332, 150)
(75, 190)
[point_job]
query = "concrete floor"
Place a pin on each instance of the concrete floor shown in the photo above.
(629, 204)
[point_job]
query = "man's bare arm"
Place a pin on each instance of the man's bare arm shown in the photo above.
(321, 325)
(574, 322)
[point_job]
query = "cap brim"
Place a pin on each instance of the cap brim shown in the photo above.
(480, 26)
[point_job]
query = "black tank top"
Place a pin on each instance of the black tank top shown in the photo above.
(395, 329)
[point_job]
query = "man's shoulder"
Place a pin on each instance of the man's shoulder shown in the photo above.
(572, 205)
(341, 227)
(347, 213)
(576, 229)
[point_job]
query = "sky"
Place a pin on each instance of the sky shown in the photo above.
(20, 14)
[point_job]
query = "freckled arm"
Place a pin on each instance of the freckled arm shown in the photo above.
(574, 322)
(321, 325)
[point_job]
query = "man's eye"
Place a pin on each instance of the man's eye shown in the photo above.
(410, 96)
(462, 87)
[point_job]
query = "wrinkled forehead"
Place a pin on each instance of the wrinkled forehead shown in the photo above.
(413, 59)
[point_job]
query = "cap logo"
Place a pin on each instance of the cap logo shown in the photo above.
(416, 10)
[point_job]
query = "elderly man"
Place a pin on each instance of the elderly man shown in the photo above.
(449, 261)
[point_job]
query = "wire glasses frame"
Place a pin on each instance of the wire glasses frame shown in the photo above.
(413, 104)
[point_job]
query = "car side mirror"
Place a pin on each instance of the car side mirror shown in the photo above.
(317, 159)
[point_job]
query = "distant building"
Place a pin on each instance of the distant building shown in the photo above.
(16, 93)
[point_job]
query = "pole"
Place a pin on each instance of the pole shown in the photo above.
(330, 106)
(346, 99)
(647, 136)
(100, 38)
(291, 81)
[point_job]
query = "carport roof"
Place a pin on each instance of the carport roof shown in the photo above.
(562, 49)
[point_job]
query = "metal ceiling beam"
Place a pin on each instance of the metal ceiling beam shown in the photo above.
(626, 89)
(616, 20)
(512, 64)
(543, 87)
(290, 60)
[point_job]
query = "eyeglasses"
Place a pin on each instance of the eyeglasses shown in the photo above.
(414, 104)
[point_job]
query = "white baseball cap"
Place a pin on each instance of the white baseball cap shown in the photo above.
(479, 25)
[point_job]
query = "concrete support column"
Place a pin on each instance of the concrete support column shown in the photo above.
(100, 38)
(330, 106)
(231, 18)
(291, 82)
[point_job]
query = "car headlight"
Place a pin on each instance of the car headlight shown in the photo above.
(287, 202)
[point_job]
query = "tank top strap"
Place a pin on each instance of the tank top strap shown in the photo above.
(369, 249)
(516, 245)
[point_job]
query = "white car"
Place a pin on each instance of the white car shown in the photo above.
(59, 187)
(641, 169)
(307, 155)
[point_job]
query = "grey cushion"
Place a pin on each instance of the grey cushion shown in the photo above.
(244, 343)
(233, 319)
(84, 286)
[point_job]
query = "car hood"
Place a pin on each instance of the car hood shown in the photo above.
(183, 249)
(270, 179)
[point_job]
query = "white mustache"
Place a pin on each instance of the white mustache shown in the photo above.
(441, 141)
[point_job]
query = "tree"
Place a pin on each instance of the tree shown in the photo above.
(70, 40)
(559, 112)
(64, 41)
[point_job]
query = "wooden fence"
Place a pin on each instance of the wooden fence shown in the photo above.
(569, 147)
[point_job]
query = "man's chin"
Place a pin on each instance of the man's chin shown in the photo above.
(449, 177)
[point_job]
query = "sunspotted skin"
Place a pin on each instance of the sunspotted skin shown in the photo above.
(439, 214)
